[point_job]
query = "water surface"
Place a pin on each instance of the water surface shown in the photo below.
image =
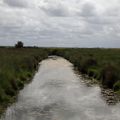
(57, 93)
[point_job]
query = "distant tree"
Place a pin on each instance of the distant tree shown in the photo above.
(19, 44)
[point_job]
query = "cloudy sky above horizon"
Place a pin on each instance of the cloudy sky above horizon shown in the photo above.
(60, 23)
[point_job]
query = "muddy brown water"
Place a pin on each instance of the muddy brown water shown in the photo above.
(57, 93)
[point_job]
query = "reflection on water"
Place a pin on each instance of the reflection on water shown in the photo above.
(57, 93)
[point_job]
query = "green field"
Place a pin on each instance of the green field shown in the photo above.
(18, 65)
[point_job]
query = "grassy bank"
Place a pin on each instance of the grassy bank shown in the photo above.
(17, 67)
(101, 64)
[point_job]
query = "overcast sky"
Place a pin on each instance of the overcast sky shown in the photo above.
(60, 23)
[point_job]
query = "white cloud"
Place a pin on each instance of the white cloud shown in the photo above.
(60, 22)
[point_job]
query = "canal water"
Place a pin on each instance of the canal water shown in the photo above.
(57, 93)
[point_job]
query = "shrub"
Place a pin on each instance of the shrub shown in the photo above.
(87, 63)
(1, 95)
(116, 86)
(53, 52)
(13, 84)
(20, 84)
(19, 44)
(109, 76)
(9, 91)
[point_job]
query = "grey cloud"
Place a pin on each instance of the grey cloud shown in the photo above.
(98, 20)
(16, 3)
(59, 23)
(56, 10)
(114, 12)
(88, 10)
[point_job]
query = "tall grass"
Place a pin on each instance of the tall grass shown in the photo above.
(17, 66)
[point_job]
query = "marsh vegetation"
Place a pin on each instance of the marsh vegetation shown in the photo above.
(101, 64)
(18, 65)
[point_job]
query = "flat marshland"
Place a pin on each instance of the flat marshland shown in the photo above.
(18, 65)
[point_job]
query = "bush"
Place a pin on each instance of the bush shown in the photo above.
(9, 91)
(19, 44)
(116, 86)
(87, 63)
(92, 72)
(109, 76)
(1, 95)
(20, 84)
(13, 84)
